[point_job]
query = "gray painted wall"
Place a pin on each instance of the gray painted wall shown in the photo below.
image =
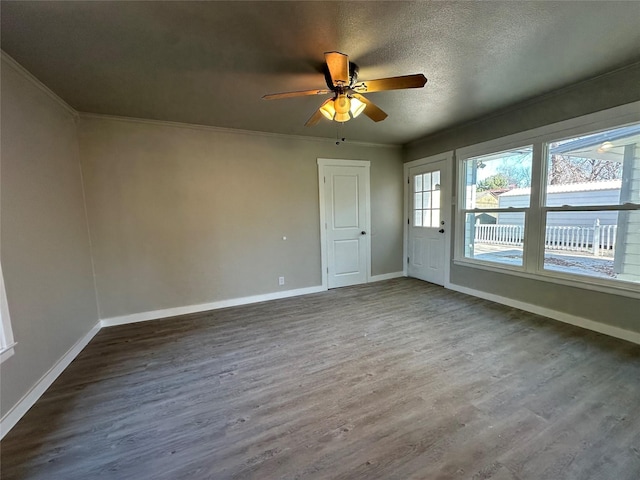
(45, 252)
(613, 89)
(184, 215)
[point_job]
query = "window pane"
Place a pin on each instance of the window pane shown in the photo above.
(600, 244)
(598, 169)
(489, 178)
(417, 200)
(426, 183)
(426, 200)
(426, 218)
(435, 218)
(418, 183)
(417, 218)
(435, 180)
(435, 199)
(495, 238)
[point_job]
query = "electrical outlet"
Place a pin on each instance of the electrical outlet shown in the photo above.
(280, 280)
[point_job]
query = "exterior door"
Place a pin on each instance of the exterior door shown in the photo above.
(428, 222)
(346, 224)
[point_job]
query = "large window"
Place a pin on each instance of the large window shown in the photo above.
(558, 206)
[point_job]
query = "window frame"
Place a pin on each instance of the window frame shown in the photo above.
(7, 343)
(535, 214)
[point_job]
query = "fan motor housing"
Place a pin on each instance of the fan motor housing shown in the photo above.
(353, 76)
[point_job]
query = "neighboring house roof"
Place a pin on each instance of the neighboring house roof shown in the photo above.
(572, 187)
(486, 193)
(595, 140)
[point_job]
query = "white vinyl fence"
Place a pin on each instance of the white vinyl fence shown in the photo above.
(576, 239)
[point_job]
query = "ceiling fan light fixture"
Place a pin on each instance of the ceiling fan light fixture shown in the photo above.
(357, 107)
(341, 76)
(342, 104)
(342, 117)
(328, 109)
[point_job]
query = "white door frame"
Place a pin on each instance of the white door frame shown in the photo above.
(333, 162)
(448, 157)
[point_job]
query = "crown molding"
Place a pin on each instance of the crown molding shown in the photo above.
(27, 75)
(234, 131)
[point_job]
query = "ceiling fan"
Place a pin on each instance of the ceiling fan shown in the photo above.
(348, 102)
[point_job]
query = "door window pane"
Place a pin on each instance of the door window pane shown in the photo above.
(417, 218)
(417, 183)
(426, 199)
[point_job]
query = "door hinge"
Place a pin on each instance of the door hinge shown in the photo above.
(407, 259)
(408, 221)
(325, 179)
(408, 180)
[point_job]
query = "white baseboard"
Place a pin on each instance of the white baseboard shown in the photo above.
(610, 330)
(19, 409)
(385, 276)
(204, 307)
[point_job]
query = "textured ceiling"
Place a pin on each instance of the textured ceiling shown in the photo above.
(210, 63)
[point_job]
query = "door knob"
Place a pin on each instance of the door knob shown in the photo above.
(441, 230)
(363, 232)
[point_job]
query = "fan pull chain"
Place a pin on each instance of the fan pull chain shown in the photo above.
(338, 139)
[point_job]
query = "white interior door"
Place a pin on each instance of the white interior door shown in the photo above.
(346, 224)
(428, 222)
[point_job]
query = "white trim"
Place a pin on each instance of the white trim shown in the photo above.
(12, 417)
(334, 162)
(448, 158)
(7, 352)
(204, 307)
(612, 331)
(386, 276)
(337, 162)
(37, 83)
(236, 131)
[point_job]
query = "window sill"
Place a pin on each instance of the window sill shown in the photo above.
(626, 289)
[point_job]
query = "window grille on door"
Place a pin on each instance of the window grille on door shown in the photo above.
(426, 199)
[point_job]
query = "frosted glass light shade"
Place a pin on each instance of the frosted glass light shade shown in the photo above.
(357, 107)
(342, 104)
(342, 108)
(328, 109)
(342, 117)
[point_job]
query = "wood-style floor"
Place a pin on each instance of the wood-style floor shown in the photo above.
(391, 380)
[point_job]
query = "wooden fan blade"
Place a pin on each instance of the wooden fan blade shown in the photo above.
(338, 65)
(392, 83)
(275, 96)
(314, 119)
(371, 110)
